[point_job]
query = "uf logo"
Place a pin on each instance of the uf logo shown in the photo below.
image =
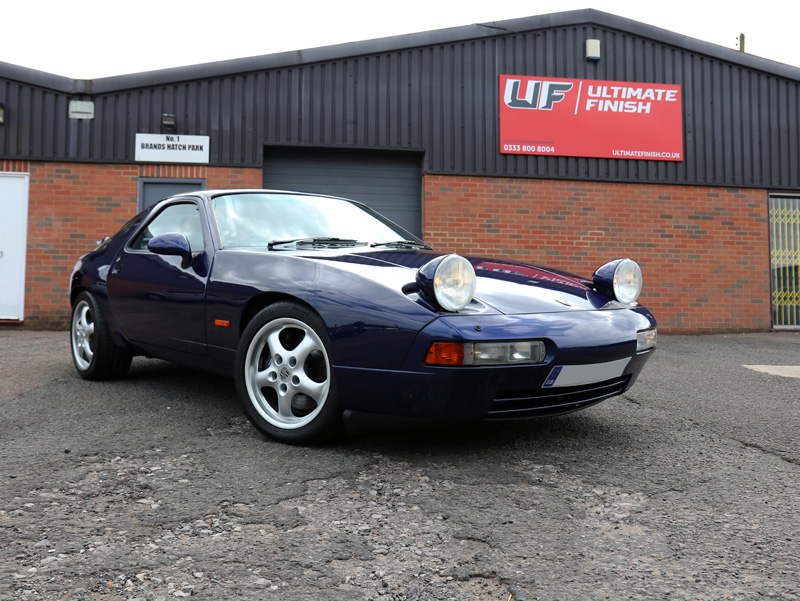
(540, 95)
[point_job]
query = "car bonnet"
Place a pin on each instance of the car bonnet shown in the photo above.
(508, 287)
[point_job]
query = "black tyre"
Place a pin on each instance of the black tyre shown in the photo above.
(284, 376)
(94, 354)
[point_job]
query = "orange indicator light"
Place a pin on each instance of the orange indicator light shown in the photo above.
(223, 323)
(445, 353)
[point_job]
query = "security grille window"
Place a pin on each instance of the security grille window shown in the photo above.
(784, 218)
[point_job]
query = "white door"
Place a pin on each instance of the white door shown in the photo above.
(13, 244)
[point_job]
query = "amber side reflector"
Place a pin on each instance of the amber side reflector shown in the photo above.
(223, 323)
(445, 353)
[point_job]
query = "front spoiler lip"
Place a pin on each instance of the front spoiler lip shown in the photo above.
(496, 392)
(362, 422)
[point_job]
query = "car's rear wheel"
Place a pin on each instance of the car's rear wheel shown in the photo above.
(93, 352)
(284, 377)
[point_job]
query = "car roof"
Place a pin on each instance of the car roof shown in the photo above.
(225, 192)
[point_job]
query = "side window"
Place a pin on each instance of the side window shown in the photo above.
(181, 218)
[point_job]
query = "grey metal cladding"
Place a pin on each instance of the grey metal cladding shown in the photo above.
(435, 92)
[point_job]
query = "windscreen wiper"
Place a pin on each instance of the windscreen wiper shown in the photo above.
(318, 241)
(402, 244)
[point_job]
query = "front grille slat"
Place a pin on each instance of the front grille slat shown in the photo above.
(552, 401)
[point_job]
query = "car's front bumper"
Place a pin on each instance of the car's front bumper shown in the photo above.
(600, 343)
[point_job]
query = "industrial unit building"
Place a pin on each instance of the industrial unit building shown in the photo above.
(567, 140)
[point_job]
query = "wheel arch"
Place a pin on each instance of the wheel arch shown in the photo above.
(264, 300)
(75, 291)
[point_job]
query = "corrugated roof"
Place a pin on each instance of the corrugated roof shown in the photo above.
(389, 44)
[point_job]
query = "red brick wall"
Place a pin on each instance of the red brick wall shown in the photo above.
(71, 206)
(704, 252)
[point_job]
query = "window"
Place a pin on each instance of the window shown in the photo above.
(181, 218)
(256, 219)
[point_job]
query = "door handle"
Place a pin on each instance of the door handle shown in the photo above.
(117, 264)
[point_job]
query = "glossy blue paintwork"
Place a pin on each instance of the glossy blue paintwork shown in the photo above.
(359, 312)
(571, 339)
(379, 322)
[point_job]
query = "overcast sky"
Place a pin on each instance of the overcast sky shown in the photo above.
(89, 39)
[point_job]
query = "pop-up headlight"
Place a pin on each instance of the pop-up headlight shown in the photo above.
(449, 281)
(620, 279)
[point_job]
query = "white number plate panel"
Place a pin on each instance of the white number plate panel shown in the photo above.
(577, 375)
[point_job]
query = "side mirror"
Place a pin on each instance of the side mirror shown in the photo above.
(174, 244)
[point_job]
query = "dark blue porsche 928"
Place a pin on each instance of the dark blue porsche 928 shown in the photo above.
(326, 313)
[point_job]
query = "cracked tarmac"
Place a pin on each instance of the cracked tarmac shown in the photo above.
(156, 487)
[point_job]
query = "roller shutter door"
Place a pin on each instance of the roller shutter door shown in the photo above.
(390, 183)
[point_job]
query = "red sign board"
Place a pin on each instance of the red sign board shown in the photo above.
(590, 118)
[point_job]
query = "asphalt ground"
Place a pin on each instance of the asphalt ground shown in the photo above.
(156, 487)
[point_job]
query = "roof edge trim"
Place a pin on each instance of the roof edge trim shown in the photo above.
(590, 17)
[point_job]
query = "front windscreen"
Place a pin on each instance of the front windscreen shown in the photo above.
(260, 219)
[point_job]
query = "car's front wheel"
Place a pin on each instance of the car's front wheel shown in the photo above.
(284, 377)
(93, 352)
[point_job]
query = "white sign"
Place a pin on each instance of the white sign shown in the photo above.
(81, 109)
(171, 148)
